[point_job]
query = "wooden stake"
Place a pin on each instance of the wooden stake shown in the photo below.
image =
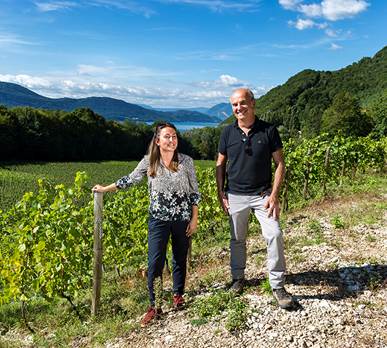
(97, 261)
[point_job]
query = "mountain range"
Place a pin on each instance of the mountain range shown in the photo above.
(299, 104)
(12, 95)
(220, 111)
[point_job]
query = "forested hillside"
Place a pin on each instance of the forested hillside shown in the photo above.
(300, 103)
(14, 95)
(42, 135)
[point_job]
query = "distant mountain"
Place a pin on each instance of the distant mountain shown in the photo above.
(12, 95)
(198, 109)
(222, 110)
(298, 105)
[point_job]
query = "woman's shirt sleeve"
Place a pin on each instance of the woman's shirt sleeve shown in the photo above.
(135, 176)
(194, 195)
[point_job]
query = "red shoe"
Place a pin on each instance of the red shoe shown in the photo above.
(178, 301)
(151, 314)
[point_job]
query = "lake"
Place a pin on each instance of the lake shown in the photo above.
(184, 126)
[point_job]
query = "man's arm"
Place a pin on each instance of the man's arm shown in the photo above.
(220, 179)
(273, 202)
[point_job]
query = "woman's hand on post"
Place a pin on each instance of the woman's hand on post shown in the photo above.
(99, 188)
(103, 189)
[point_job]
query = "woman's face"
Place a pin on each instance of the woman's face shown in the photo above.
(167, 140)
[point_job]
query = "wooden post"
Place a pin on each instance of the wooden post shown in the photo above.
(326, 169)
(306, 182)
(97, 260)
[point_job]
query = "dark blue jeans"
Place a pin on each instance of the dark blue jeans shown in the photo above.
(158, 236)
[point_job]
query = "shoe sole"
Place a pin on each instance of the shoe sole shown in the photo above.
(150, 322)
(290, 306)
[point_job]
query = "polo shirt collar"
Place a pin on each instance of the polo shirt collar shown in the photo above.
(253, 128)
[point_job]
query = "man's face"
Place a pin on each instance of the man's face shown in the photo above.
(242, 106)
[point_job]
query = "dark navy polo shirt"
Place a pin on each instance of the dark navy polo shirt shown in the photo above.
(248, 170)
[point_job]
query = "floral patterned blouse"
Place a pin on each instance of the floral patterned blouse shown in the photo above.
(172, 194)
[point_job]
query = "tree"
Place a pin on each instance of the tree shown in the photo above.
(344, 115)
(378, 112)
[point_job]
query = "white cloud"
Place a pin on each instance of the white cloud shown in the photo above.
(312, 10)
(327, 42)
(228, 80)
(302, 24)
(331, 32)
(132, 6)
(335, 46)
(9, 39)
(289, 4)
(206, 55)
(338, 9)
(331, 10)
(26, 80)
(49, 6)
(84, 69)
(220, 5)
(127, 5)
(205, 93)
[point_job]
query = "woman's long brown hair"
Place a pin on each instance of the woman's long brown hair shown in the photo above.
(154, 151)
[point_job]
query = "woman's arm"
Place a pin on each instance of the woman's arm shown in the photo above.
(133, 178)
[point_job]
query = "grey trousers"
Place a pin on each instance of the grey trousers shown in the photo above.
(240, 207)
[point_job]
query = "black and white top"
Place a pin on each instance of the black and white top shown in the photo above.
(172, 194)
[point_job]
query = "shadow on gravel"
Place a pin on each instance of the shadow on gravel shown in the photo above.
(344, 282)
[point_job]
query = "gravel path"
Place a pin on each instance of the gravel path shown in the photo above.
(339, 281)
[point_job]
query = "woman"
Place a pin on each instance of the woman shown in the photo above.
(174, 196)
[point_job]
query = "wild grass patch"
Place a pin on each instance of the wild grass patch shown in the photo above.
(218, 303)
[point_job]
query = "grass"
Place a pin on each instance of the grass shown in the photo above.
(205, 308)
(337, 222)
(18, 178)
(265, 287)
(212, 276)
(56, 325)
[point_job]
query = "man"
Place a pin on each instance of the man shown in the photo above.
(247, 148)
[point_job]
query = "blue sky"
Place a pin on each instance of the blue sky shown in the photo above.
(180, 53)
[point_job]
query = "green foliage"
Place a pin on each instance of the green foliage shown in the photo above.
(337, 222)
(212, 305)
(204, 142)
(344, 115)
(207, 307)
(46, 245)
(236, 315)
(315, 164)
(17, 178)
(34, 134)
(377, 110)
(265, 286)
